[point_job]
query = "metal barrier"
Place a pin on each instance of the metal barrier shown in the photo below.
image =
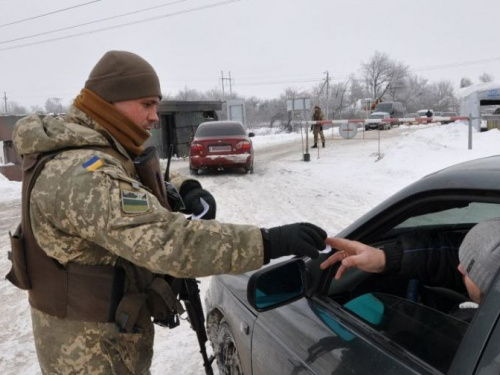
(400, 120)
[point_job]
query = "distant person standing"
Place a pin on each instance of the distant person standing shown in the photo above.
(428, 113)
(318, 129)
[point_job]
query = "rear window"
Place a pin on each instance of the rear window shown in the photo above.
(220, 130)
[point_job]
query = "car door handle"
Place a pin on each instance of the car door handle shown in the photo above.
(244, 328)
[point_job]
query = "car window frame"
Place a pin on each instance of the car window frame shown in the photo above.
(375, 226)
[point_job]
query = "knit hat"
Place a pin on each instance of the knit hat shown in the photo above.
(121, 75)
(480, 253)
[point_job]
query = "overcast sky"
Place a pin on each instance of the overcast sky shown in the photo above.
(266, 45)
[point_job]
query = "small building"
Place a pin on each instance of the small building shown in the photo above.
(12, 169)
(178, 123)
(475, 98)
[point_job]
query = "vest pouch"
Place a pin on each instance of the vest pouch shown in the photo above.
(18, 274)
(162, 302)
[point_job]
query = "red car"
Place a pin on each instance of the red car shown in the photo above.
(221, 145)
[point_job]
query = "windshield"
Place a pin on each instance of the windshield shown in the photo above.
(218, 130)
(377, 116)
(384, 107)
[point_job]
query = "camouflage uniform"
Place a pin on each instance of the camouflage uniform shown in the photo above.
(81, 216)
(318, 129)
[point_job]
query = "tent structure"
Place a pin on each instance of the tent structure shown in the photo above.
(472, 98)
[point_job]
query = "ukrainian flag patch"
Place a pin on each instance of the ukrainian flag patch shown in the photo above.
(95, 162)
(133, 202)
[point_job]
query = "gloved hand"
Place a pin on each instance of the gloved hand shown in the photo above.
(302, 239)
(312, 127)
(194, 206)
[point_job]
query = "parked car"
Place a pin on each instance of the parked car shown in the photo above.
(374, 121)
(423, 113)
(394, 109)
(221, 145)
(293, 318)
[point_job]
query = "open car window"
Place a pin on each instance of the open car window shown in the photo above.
(471, 213)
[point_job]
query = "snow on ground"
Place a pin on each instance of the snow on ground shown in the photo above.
(339, 184)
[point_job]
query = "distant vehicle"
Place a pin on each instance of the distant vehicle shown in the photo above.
(370, 124)
(221, 145)
(294, 318)
(423, 113)
(394, 109)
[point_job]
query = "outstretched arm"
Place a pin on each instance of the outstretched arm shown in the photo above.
(354, 254)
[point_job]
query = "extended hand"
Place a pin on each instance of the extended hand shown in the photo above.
(354, 254)
(302, 239)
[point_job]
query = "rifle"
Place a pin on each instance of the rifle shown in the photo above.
(187, 289)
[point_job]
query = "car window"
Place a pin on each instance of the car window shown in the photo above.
(472, 213)
(220, 130)
(414, 327)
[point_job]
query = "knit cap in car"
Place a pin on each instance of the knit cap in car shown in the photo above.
(480, 253)
(122, 75)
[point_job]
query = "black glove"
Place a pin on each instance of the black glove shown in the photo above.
(302, 239)
(312, 126)
(194, 206)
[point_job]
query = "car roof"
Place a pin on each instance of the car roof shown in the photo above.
(215, 123)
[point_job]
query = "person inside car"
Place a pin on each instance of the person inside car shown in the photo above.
(475, 265)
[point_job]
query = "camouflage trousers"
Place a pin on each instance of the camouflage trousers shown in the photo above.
(66, 347)
(318, 131)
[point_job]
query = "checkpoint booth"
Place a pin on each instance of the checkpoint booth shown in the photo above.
(479, 101)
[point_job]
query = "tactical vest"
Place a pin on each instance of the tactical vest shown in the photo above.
(84, 292)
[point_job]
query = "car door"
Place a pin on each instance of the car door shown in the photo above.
(318, 337)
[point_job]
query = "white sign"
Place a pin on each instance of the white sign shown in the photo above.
(298, 104)
(348, 130)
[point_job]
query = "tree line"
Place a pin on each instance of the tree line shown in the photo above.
(380, 78)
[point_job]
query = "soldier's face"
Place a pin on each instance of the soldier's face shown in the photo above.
(143, 112)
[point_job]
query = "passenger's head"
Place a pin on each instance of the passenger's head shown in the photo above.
(130, 83)
(316, 108)
(480, 257)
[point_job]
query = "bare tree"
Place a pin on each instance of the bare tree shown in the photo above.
(486, 77)
(54, 105)
(415, 94)
(14, 108)
(382, 75)
(465, 82)
(187, 94)
(443, 96)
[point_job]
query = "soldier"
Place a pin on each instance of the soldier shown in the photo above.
(318, 129)
(97, 240)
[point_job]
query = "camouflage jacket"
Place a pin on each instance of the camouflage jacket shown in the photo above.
(85, 198)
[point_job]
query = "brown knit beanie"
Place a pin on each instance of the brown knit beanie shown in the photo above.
(121, 75)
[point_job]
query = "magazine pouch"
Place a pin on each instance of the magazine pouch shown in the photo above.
(18, 274)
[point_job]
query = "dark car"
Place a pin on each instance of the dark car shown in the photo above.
(294, 318)
(221, 145)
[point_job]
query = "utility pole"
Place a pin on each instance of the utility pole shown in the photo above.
(222, 82)
(230, 84)
(327, 93)
(5, 101)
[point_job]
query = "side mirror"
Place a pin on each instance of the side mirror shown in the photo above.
(251, 134)
(277, 285)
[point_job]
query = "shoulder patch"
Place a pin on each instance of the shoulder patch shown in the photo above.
(95, 162)
(134, 202)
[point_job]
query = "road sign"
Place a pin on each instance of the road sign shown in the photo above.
(348, 130)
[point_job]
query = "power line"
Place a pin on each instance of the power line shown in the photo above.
(124, 24)
(48, 14)
(453, 65)
(90, 23)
